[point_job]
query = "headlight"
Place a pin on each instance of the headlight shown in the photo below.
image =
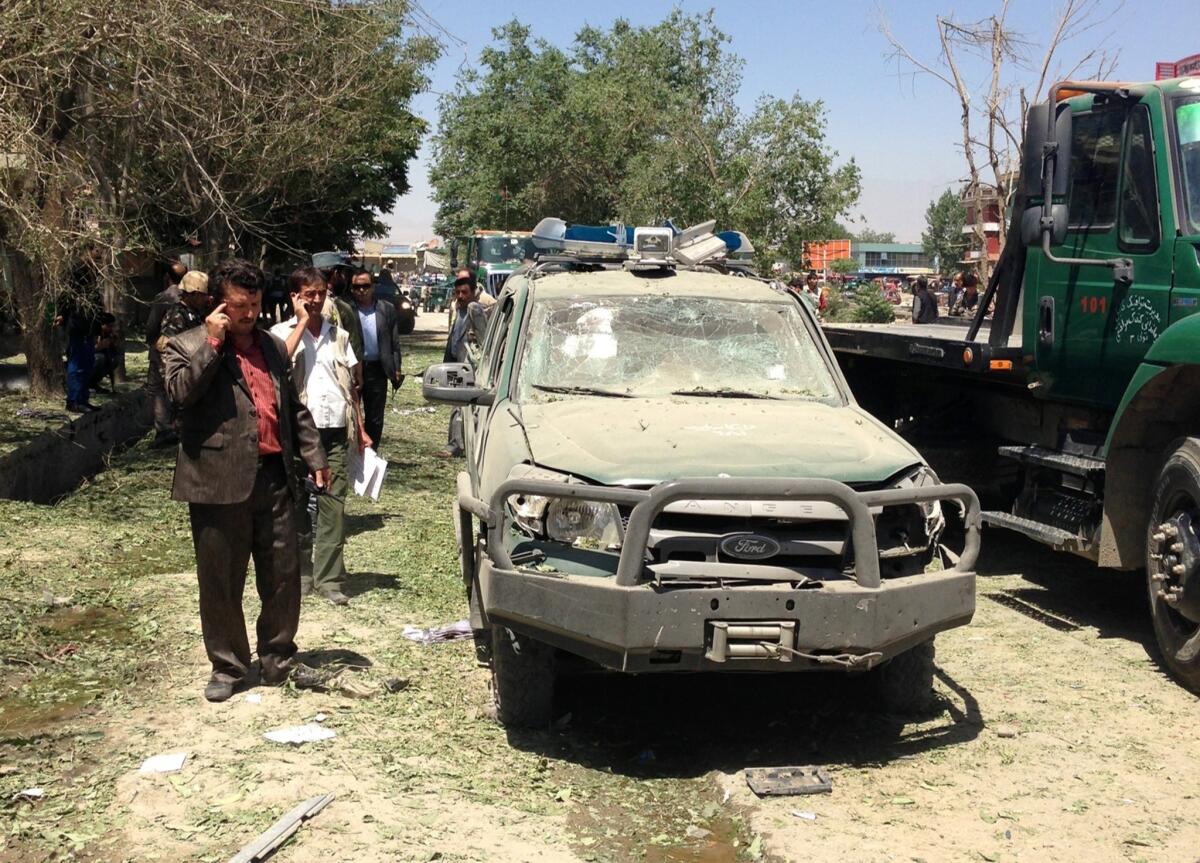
(528, 511)
(921, 478)
(406, 305)
(583, 522)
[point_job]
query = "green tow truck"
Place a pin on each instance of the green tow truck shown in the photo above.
(491, 255)
(1087, 371)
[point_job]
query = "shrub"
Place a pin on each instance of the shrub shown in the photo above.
(871, 307)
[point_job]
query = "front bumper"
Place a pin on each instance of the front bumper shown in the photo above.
(781, 621)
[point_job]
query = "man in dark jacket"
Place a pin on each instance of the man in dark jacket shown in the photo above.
(240, 425)
(164, 413)
(925, 310)
(380, 334)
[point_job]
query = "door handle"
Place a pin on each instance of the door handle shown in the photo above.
(1046, 321)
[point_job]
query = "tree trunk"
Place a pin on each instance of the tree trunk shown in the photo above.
(42, 352)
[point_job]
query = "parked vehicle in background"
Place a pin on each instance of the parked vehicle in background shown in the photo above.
(492, 255)
(665, 472)
(1087, 374)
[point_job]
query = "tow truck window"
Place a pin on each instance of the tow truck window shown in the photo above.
(1139, 189)
(1095, 159)
(1187, 125)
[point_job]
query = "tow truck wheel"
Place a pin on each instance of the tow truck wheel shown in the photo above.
(905, 684)
(1173, 563)
(522, 679)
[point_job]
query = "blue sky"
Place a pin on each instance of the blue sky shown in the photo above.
(902, 131)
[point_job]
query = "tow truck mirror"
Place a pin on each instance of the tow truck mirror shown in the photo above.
(1031, 225)
(454, 254)
(453, 383)
(1035, 152)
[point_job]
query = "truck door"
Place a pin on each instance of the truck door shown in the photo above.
(487, 375)
(1185, 296)
(1089, 334)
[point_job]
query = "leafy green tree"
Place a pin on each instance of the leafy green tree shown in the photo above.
(844, 266)
(635, 124)
(872, 307)
(943, 237)
(243, 125)
(866, 235)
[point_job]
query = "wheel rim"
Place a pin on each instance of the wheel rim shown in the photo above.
(1175, 572)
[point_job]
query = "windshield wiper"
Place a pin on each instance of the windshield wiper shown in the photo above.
(581, 391)
(723, 394)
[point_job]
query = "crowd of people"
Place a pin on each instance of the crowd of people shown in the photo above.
(265, 419)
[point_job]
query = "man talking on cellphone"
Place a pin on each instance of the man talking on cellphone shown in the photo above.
(240, 425)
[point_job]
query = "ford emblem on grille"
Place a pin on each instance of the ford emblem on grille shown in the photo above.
(749, 546)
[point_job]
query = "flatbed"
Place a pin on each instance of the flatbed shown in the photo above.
(944, 344)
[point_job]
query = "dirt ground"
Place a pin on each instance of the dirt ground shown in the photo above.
(1058, 736)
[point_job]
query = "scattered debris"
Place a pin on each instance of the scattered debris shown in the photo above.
(395, 684)
(253, 698)
(279, 832)
(410, 411)
(1006, 731)
(807, 816)
(298, 734)
(448, 632)
(695, 832)
(29, 794)
(780, 781)
(35, 414)
(170, 762)
(320, 717)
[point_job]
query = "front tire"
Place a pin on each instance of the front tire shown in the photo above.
(905, 684)
(1173, 563)
(522, 679)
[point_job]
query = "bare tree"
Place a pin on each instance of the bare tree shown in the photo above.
(242, 124)
(990, 68)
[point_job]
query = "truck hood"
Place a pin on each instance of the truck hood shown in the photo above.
(646, 441)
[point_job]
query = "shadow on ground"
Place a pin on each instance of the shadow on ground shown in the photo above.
(364, 582)
(685, 725)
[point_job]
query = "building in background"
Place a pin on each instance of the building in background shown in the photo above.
(1178, 69)
(977, 251)
(873, 259)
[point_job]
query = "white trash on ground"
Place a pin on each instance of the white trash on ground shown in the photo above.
(297, 734)
(168, 762)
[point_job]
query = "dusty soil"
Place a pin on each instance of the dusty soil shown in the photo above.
(1057, 734)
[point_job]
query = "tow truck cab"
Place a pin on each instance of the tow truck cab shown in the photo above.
(1088, 369)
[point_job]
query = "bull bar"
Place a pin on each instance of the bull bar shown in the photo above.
(648, 504)
(630, 623)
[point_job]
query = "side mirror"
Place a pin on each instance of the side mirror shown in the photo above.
(454, 254)
(1034, 152)
(453, 383)
(1031, 225)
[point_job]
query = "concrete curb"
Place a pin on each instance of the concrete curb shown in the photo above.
(55, 462)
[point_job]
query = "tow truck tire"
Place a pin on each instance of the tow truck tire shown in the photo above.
(905, 684)
(522, 679)
(1176, 629)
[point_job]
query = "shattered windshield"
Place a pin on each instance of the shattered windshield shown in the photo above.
(677, 346)
(1187, 124)
(502, 250)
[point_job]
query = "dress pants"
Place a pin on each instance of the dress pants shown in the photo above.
(374, 399)
(322, 563)
(164, 412)
(226, 536)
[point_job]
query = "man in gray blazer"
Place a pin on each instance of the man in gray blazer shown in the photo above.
(380, 335)
(240, 425)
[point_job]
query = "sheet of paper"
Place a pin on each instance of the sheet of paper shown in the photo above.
(168, 763)
(366, 470)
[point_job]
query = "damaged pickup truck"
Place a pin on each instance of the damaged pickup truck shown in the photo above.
(666, 472)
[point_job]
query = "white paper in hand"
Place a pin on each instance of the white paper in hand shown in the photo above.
(366, 470)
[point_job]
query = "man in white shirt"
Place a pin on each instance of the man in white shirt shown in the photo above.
(328, 377)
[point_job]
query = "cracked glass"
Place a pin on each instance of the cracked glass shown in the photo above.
(667, 345)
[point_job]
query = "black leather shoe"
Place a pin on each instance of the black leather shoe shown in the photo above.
(336, 597)
(218, 690)
(273, 675)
